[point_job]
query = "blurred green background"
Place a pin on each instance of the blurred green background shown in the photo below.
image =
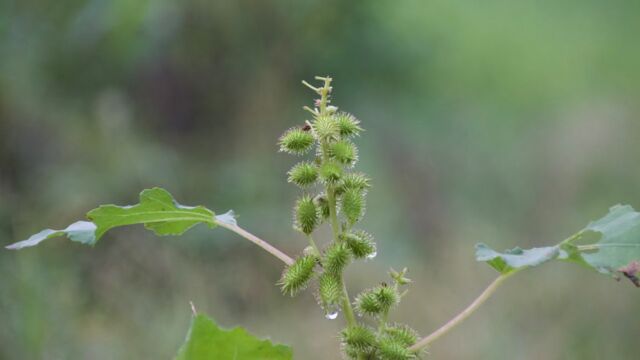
(506, 122)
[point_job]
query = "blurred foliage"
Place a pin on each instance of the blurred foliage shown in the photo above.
(205, 340)
(495, 121)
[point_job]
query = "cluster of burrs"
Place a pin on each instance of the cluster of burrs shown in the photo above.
(334, 193)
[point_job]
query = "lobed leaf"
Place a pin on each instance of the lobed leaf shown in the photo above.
(157, 211)
(617, 246)
(205, 340)
(80, 231)
(609, 245)
(516, 258)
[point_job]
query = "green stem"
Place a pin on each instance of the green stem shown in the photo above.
(313, 245)
(346, 307)
(331, 199)
(382, 322)
(333, 216)
(335, 227)
(590, 247)
(486, 294)
(324, 93)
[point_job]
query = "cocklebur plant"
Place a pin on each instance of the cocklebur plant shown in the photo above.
(333, 193)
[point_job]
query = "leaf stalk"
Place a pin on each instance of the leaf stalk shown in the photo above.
(256, 240)
(484, 296)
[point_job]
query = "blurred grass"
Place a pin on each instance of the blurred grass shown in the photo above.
(502, 122)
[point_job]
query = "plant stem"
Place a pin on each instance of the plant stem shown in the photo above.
(324, 93)
(572, 238)
(333, 216)
(382, 323)
(331, 199)
(335, 226)
(346, 307)
(313, 245)
(256, 240)
(486, 294)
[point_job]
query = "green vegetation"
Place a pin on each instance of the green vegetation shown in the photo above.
(206, 340)
(334, 194)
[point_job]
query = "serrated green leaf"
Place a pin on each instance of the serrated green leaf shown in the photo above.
(617, 245)
(80, 231)
(207, 341)
(609, 245)
(157, 210)
(516, 258)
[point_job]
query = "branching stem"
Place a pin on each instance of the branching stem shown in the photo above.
(256, 240)
(486, 294)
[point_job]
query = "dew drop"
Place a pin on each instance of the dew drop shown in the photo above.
(372, 255)
(331, 315)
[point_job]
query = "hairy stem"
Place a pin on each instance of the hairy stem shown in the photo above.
(382, 322)
(331, 199)
(333, 216)
(324, 93)
(256, 240)
(486, 294)
(313, 245)
(335, 226)
(346, 307)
